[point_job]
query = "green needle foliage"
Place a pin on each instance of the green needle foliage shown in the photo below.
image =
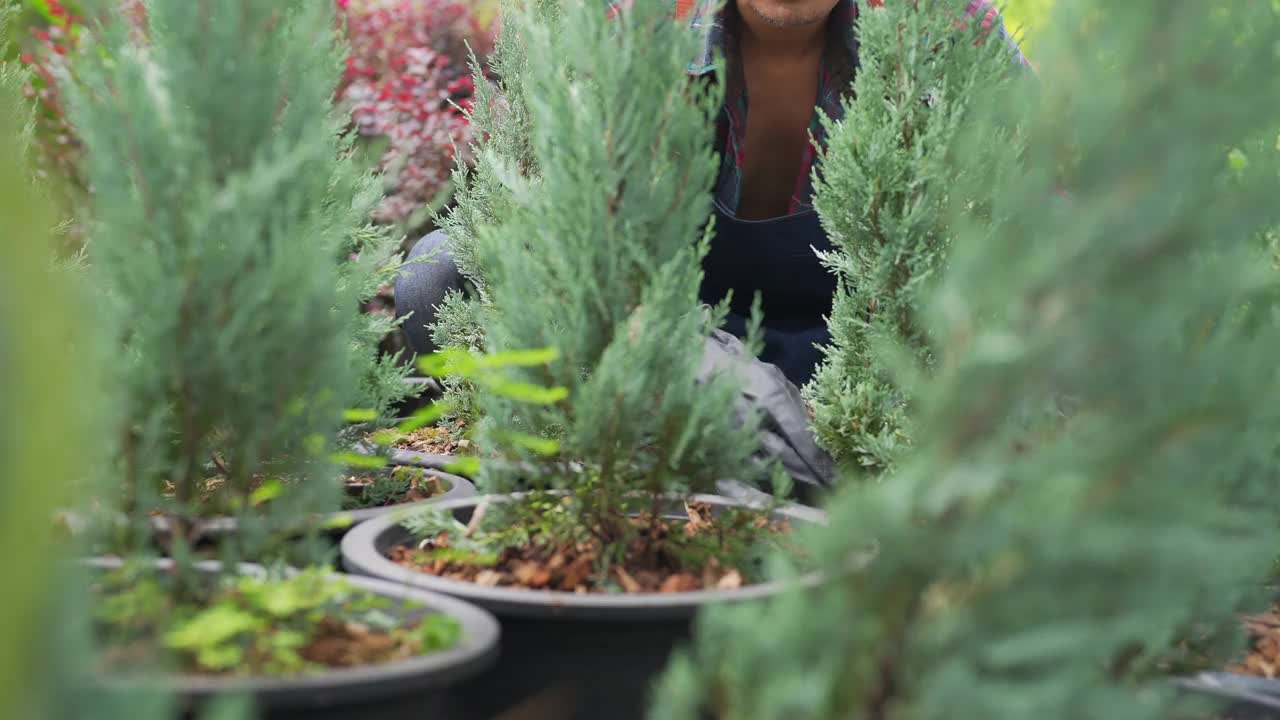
(500, 119)
(1093, 494)
(226, 207)
(598, 256)
(888, 176)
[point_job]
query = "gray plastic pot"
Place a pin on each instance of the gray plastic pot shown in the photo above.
(420, 687)
(566, 656)
(1248, 697)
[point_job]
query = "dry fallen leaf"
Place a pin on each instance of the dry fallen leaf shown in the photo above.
(624, 578)
(680, 582)
(488, 578)
(699, 517)
(525, 572)
(732, 580)
(577, 573)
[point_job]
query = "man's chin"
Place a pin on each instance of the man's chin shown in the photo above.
(791, 13)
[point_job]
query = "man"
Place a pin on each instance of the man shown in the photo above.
(793, 59)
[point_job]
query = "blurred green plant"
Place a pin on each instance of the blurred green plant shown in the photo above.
(47, 440)
(890, 174)
(1092, 500)
(41, 384)
(491, 372)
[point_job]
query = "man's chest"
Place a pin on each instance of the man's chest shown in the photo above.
(776, 138)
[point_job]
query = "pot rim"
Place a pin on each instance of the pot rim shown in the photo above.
(476, 650)
(1249, 689)
(360, 555)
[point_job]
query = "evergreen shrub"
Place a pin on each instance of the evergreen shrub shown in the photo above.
(592, 249)
(1092, 496)
(887, 177)
(223, 213)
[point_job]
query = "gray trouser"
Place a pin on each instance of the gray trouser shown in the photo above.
(421, 287)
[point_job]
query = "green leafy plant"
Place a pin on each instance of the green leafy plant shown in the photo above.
(252, 625)
(889, 175)
(1093, 488)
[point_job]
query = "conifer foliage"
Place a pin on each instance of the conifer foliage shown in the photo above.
(499, 121)
(887, 176)
(226, 204)
(1094, 484)
(598, 256)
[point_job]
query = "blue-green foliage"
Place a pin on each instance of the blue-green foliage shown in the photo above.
(226, 206)
(1092, 497)
(598, 256)
(499, 117)
(888, 175)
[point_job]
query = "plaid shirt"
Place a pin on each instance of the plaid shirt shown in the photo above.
(708, 18)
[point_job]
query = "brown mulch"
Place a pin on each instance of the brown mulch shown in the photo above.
(442, 439)
(651, 564)
(339, 643)
(1263, 659)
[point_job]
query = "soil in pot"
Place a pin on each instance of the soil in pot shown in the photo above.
(261, 634)
(537, 546)
(587, 625)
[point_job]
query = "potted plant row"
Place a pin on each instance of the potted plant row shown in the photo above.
(230, 246)
(596, 543)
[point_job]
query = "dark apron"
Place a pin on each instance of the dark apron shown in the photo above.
(776, 259)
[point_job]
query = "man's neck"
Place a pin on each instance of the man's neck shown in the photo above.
(761, 39)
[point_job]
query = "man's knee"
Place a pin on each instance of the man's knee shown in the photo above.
(427, 277)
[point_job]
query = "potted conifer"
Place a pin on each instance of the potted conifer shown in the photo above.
(1092, 493)
(884, 206)
(595, 548)
(363, 260)
(222, 209)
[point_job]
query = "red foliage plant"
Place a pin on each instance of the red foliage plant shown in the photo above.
(404, 81)
(54, 44)
(49, 60)
(407, 81)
